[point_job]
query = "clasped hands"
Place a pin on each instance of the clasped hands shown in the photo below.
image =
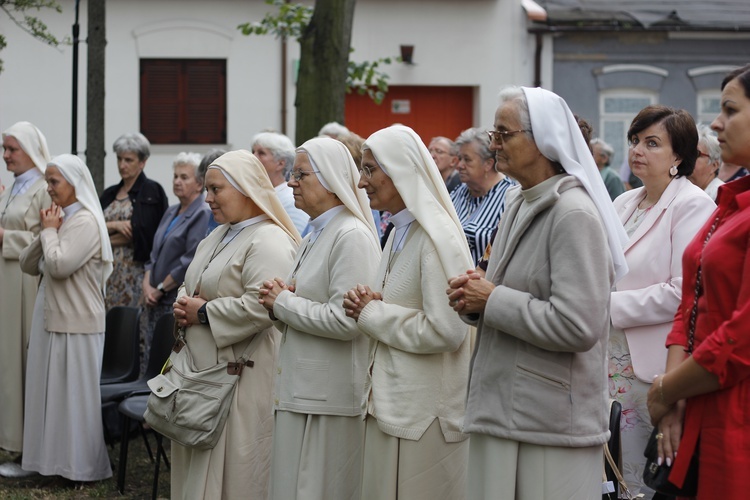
(357, 298)
(51, 217)
(468, 293)
(270, 291)
(186, 310)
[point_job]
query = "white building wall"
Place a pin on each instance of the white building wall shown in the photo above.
(478, 43)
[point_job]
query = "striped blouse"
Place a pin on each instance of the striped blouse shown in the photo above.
(479, 216)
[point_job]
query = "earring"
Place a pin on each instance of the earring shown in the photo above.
(673, 170)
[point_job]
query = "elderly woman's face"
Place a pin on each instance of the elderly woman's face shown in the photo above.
(705, 170)
(472, 169)
(309, 194)
(185, 185)
(226, 203)
(379, 187)
(129, 166)
(517, 153)
(732, 126)
(60, 191)
(600, 157)
(16, 158)
(650, 154)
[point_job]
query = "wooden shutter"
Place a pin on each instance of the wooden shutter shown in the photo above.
(205, 98)
(183, 101)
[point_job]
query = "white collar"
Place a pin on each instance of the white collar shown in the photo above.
(72, 209)
(319, 222)
(21, 182)
(402, 218)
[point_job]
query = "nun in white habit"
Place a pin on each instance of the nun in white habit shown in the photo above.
(419, 351)
(218, 307)
(537, 404)
(63, 425)
(319, 430)
(26, 156)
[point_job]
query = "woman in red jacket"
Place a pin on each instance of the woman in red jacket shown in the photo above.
(706, 389)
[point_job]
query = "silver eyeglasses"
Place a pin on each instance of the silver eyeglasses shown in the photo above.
(500, 136)
(297, 175)
(366, 171)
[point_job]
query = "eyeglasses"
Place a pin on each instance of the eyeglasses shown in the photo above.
(438, 151)
(700, 153)
(366, 171)
(500, 136)
(297, 175)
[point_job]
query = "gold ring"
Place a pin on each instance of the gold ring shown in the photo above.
(660, 435)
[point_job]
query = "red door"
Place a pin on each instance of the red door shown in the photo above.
(430, 111)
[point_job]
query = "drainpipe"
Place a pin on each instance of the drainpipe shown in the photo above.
(283, 85)
(538, 61)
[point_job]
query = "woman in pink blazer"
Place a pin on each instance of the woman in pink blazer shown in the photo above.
(660, 218)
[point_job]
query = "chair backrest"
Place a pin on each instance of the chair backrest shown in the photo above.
(121, 361)
(161, 345)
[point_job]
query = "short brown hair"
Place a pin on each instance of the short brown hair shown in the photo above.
(680, 127)
(743, 75)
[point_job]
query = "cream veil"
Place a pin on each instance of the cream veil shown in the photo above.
(250, 176)
(403, 155)
(32, 141)
(336, 165)
(77, 174)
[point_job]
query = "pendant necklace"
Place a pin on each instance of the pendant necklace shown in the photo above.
(393, 255)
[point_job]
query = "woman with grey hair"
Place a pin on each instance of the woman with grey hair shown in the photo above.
(707, 165)
(603, 153)
(480, 200)
(132, 208)
(182, 227)
(536, 408)
(276, 152)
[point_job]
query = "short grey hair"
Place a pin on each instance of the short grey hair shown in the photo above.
(280, 146)
(192, 159)
(206, 162)
(133, 143)
(452, 146)
(606, 148)
(517, 95)
(707, 137)
(334, 129)
(481, 138)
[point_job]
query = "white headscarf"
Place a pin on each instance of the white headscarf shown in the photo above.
(77, 174)
(251, 179)
(340, 176)
(401, 152)
(32, 142)
(559, 139)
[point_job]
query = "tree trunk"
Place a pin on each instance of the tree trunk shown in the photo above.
(321, 83)
(96, 38)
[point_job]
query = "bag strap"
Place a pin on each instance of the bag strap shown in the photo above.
(233, 367)
(620, 480)
(698, 290)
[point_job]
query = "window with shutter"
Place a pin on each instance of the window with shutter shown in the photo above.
(183, 101)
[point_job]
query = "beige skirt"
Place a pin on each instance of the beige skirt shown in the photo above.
(428, 469)
(502, 468)
(316, 457)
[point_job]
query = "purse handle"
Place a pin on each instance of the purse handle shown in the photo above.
(698, 289)
(620, 480)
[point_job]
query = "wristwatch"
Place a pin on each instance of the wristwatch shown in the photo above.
(202, 315)
(160, 287)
